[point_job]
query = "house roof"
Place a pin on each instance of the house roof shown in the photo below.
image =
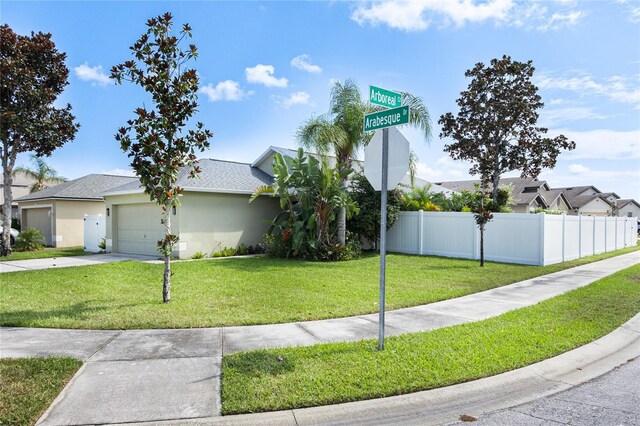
(582, 200)
(608, 194)
(552, 195)
(622, 203)
(88, 187)
(215, 176)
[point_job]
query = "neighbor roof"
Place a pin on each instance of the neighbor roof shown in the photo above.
(622, 203)
(215, 176)
(519, 185)
(88, 187)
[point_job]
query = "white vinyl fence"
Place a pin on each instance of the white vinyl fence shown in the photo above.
(530, 239)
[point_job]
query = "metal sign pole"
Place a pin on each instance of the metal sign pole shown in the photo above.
(383, 234)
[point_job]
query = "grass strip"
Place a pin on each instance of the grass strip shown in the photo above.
(29, 385)
(46, 253)
(278, 379)
(259, 290)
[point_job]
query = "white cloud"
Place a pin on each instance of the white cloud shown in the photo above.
(227, 90)
(297, 98)
(634, 15)
(418, 15)
(550, 117)
(303, 62)
(602, 144)
(578, 169)
(263, 74)
(617, 88)
(94, 74)
(562, 20)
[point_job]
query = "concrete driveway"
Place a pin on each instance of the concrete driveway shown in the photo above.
(65, 262)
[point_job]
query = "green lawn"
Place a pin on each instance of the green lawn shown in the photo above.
(46, 253)
(280, 379)
(29, 385)
(127, 295)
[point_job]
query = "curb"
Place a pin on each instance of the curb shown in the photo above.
(478, 397)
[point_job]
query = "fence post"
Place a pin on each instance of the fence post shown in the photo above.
(564, 234)
(594, 235)
(615, 240)
(420, 230)
(579, 236)
(605, 233)
(541, 240)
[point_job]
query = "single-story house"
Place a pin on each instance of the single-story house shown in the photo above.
(214, 212)
(58, 211)
(589, 201)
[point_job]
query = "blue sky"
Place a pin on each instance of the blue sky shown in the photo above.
(266, 67)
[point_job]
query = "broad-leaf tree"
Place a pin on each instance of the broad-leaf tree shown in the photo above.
(340, 132)
(496, 127)
(32, 75)
(42, 174)
(156, 139)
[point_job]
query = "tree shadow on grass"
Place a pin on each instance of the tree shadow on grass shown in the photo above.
(260, 363)
(77, 311)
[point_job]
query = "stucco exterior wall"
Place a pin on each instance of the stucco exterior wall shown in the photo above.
(629, 208)
(68, 224)
(595, 207)
(521, 208)
(67, 219)
(211, 221)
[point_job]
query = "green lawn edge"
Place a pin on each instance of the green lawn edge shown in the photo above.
(278, 379)
(29, 385)
(249, 291)
(47, 253)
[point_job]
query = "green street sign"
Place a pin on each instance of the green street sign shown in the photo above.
(383, 97)
(386, 118)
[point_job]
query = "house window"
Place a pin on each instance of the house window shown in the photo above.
(629, 214)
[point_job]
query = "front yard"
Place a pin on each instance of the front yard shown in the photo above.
(127, 295)
(45, 253)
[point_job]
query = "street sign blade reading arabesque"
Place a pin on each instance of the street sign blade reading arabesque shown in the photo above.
(386, 118)
(385, 98)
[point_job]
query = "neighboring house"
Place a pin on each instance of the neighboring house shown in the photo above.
(589, 201)
(628, 208)
(58, 211)
(20, 187)
(214, 210)
(528, 194)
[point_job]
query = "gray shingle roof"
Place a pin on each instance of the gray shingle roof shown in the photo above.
(88, 187)
(215, 176)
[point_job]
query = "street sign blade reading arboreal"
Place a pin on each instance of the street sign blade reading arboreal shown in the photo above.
(386, 118)
(385, 98)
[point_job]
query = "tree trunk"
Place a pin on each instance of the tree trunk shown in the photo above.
(495, 181)
(342, 220)
(482, 245)
(7, 168)
(166, 284)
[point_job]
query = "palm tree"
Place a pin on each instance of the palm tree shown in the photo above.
(42, 174)
(341, 132)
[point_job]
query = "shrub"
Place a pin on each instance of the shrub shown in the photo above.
(225, 252)
(103, 244)
(242, 250)
(198, 255)
(30, 239)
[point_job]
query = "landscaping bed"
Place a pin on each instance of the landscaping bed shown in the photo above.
(29, 385)
(278, 379)
(258, 290)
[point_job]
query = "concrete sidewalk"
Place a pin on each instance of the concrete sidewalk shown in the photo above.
(68, 261)
(155, 375)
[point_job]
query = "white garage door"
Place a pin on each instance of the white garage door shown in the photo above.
(139, 228)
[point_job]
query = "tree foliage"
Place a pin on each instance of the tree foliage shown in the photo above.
(33, 74)
(340, 132)
(366, 224)
(42, 174)
(156, 139)
(496, 127)
(310, 195)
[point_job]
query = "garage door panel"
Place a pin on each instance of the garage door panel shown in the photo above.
(139, 228)
(40, 219)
